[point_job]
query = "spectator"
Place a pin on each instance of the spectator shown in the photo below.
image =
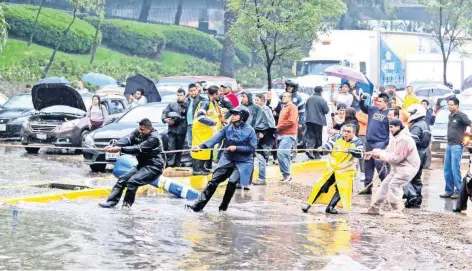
(410, 98)
(265, 137)
(254, 109)
(224, 103)
(273, 102)
(402, 114)
(28, 89)
(96, 114)
(362, 119)
(208, 118)
(456, 127)
(344, 97)
(193, 100)
(430, 113)
(338, 120)
(239, 91)
(80, 87)
(228, 92)
(140, 99)
(354, 91)
(175, 115)
(198, 87)
(316, 110)
(287, 130)
(377, 136)
(392, 93)
(393, 113)
(297, 99)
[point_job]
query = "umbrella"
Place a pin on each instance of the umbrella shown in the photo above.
(98, 79)
(139, 81)
(434, 91)
(467, 83)
(346, 73)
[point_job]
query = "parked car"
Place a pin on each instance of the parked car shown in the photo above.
(3, 99)
(61, 117)
(172, 83)
(100, 138)
(439, 130)
(12, 115)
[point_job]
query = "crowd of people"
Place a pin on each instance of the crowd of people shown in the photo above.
(391, 136)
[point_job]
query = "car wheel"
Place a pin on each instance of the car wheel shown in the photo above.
(32, 150)
(98, 167)
(82, 141)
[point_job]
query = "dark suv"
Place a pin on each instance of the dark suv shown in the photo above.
(12, 115)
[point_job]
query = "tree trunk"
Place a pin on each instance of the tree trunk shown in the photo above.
(35, 25)
(178, 14)
(269, 76)
(228, 53)
(145, 9)
(445, 60)
(95, 42)
(51, 60)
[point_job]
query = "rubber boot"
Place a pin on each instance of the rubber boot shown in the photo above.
(306, 208)
(230, 189)
(198, 167)
(113, 198)
(130, 196)
(207, 165)
(203, 198)
(332, 204)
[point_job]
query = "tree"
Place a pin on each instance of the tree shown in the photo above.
(3, 28)
(85, 5)
(451, 25)
(100, 10)
(352, 18)
(35, 25)
(228, 53)
(145, 9)
(178, 14)
(280, 29)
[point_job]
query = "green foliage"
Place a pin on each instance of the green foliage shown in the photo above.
(3, 28)
(280, 29)
(51, 25)
(243, 53)
(251, 77)
(148, 39)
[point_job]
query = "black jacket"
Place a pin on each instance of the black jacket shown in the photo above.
(180, 124)
(147, 149)
(223, 102)
(421, 133)
(316, 110)
(196, 102)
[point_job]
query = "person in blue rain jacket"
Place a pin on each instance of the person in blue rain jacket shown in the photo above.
(237, 161)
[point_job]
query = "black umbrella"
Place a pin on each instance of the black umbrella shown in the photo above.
(138, 81)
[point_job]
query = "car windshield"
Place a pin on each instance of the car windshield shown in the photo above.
(62, 109)
(442, 116)
(316, 67)
(135, 115)
(19, 102)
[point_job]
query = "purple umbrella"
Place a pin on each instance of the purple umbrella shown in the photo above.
(346, 73)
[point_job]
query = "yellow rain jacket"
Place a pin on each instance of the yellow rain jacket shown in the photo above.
(203, 129)
(343, 166)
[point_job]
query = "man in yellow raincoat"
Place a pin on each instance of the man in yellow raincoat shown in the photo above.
(207, 123)
(336, 180)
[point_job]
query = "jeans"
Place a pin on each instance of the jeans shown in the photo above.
(188, 136)
(452, 168)
(284, 154)
(262, 166)
(362, 161)
(372, 164)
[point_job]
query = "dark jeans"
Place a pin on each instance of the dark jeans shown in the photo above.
(176, 142)
(314, 135)
(372, 164)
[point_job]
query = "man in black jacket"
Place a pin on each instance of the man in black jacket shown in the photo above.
(421, 133)
(146, 144)
(316, 110)
(175, 116)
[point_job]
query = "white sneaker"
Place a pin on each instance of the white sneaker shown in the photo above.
(286, 179)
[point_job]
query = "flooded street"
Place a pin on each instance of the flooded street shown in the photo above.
(264, 228)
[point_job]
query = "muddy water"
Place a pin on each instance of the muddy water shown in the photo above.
(263, 229)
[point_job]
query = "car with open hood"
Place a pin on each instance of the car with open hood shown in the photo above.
(12, 115)
(96, 158)
(60, 119)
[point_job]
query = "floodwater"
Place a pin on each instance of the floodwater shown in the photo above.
(261, 230)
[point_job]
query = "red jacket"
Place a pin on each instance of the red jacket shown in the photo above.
(288, 120)
(233, 99)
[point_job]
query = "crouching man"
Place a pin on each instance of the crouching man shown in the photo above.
(336, 180)
(146, 144)
(237, 161)
(404, 161)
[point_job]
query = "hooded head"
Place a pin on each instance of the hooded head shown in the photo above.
(246, 99)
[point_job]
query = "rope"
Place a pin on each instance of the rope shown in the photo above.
(173, 151)
(384, 166)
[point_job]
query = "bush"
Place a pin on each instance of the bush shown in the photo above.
(243, 53)
(176, 38)
(51, 25)
(131, 37)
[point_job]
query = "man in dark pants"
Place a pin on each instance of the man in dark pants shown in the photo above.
(175, 116)
(316, 110)
(237, 161)
(146, 144)
(377, 137)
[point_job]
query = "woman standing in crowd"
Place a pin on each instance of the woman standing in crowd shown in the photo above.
(352, 119)
(96, 114)
(338, 121)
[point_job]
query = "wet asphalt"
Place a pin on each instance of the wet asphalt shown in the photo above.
(261, 230)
